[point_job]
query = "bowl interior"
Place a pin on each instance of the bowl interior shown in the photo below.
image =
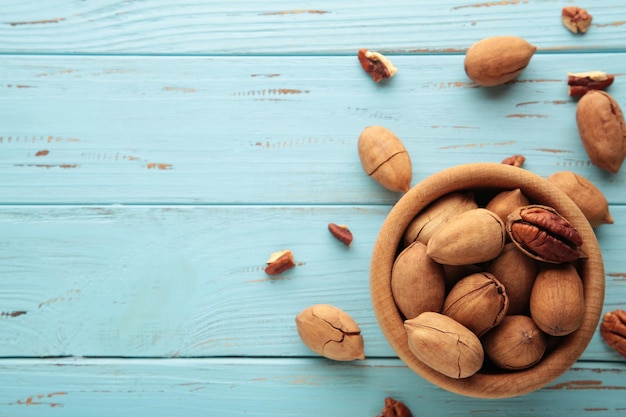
(498, 177)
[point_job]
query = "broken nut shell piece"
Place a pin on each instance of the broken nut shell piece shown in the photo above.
(341, 233)
(279, 262)
(581, 83)
(576, 19)
(376, 65)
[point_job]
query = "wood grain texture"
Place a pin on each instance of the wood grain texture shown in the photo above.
(153, 154)
(285, 27)
(180, 281)
(159, 130)
(267, 387)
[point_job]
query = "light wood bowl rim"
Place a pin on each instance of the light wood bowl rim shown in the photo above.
(473, 176)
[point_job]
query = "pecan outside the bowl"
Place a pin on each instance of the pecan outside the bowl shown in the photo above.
(515, 160)
(576, 19)
(582, 82)
(394, 408)
(376, 64)
(613, 330)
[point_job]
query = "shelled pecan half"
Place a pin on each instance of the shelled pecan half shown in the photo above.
(613, 330)
(581, 83)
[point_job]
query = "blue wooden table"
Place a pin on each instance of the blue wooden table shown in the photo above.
(153, 154)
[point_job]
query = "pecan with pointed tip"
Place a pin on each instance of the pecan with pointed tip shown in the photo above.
(394, 408)
(341, 233)
(279, 262)
(376, 65)
(576, 19)
(613, 330)
(543, 234)
(583, 82)
(515, 160)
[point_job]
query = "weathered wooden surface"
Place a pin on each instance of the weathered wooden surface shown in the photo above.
(308, 387)
(183, 281)
(294, 28)
(280, 130)
(153, 154)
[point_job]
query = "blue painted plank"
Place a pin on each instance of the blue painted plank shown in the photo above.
(163, 130)
(287, 387)
(182, 281)
(287, 27)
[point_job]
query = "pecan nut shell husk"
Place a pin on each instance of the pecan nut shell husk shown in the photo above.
(613, 330)
(543, 234)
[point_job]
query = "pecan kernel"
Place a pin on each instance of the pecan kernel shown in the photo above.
(376, 65)
(279, 262)
(613, 330)
(394, 408)
(543, 234)
(576, 19)
(582, 82)
(341, 233)
(515, 160)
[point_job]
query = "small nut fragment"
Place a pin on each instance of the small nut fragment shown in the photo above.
(385, 159)
(557, 300)
(376, 64)
(516, 343)
(341, 233)
(331, 332)
(576, 19)
(582, 82)
(602, 130)
(585, 194)
(515, 160)
(417, 282)
(279, 262)
(497, 60)
(471, 237)
(478, 301)
(445, 345)
(613, 330)
(394, 408)
(543, 234)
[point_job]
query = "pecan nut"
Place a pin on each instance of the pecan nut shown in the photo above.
(279, 262)
(576, 19)
(543, 234)
(376, 65)
(394, 408)
(341, 233)
(613, 330)
(515, 160)
(602, 130)
(583, 82)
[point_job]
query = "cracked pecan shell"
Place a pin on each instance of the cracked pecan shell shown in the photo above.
(331, 332)
(543, 234)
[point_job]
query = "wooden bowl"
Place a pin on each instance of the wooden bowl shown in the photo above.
(496, 177)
